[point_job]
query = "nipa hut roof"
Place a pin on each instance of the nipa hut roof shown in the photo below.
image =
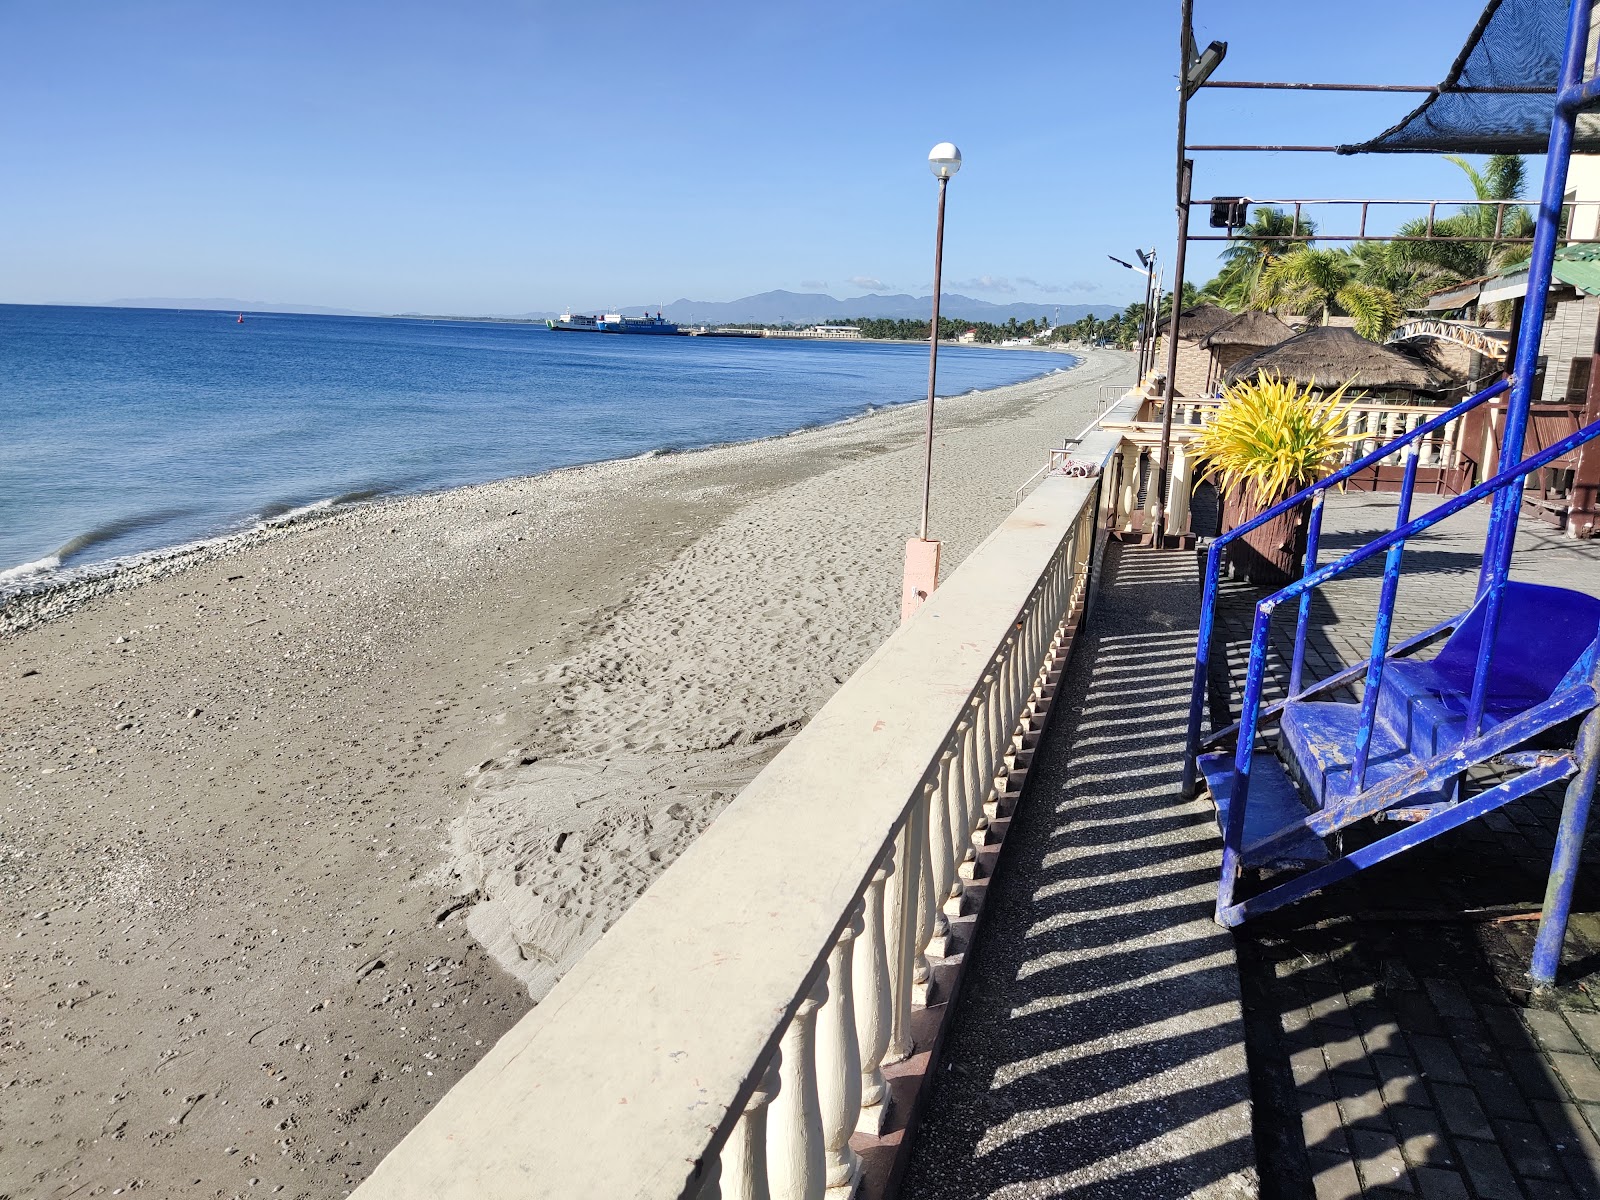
(1200, 321)
(1326, 356)
(1249, 329)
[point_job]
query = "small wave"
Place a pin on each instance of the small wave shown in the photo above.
(283, 513)
(118, 528)
(37, 567)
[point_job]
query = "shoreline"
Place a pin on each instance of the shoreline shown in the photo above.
(294, 834)
(31, 598)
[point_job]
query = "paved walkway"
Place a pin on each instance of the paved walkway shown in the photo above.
(1397, 1048)
(1099, 1047)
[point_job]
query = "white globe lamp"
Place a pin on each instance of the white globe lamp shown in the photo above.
(944, 160)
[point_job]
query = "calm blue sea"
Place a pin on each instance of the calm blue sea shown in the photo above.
(128, 430)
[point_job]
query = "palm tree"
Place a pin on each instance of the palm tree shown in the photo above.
(1443, 262)
(1244, 261)
(1316, 282)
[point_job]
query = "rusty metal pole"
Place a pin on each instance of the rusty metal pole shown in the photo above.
(1185, 174)
(933, 356)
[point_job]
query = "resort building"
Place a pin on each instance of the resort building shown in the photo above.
(1194, 375)
(836, 333)
(1241, 337)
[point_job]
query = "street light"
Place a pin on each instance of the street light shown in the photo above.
(1152, 297)
(922, 555)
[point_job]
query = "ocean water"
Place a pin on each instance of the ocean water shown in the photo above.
(124, 431)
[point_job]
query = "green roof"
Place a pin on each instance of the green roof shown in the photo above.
(1579, 266)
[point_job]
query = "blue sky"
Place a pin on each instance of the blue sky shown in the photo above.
(500, 157)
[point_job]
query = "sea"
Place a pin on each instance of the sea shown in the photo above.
(128, 431)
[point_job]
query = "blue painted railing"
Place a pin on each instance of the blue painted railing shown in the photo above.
(1428, 775)
(1580, 763)
(1316, 494)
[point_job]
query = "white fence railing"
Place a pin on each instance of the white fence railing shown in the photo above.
(1375, 421)
(727, 1037)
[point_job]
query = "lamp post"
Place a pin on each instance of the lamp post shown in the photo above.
(1152, 298)
(922, 555)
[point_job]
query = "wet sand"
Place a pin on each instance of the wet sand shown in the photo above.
(292, 829)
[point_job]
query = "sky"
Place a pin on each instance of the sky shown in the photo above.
(505, 157)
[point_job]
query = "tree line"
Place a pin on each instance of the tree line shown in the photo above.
(1374, 283)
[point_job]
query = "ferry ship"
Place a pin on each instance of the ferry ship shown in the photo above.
(613, 323)
(574, 323)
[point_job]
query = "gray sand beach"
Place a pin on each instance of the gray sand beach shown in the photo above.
(294, 827)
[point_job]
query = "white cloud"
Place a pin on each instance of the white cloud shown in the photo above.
(820, 284)
(867, 283)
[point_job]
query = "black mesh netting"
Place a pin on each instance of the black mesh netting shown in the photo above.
(1516, 43)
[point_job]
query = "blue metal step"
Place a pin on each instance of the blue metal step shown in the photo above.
(1317, 740)
(1274, 804)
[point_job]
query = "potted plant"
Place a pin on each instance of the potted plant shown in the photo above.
(1270, 438)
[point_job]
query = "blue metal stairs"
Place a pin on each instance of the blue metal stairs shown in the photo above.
(1509, 704)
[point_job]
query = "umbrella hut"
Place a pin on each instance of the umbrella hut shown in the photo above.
(1239, 338)
(1327, 356)
(1194, 364)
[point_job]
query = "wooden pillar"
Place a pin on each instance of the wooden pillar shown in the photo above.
(1583, 503)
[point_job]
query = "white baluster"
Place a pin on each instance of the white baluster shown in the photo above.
(942, 856)
(874, 1003)
(839, 1065)
(955, 795)
(971, 802)
(1129, 507)
(927, 907)
(900, 935)
(1178, 494)
(744, 1159)
(795, 1146)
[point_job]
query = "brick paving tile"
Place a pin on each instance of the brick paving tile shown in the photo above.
(1422, 1136)
(1548, 1189)
(1360, 1101)
(1498, 1092)
(1551, 1031)
(1505, 1027)
(1475, 1049)
(1534, 1077)
(1437, 1059)
(1344, 1052)
(1434, 1184)
(1588, 1028)
(1582, 1179)
(1450, 999)
(1488, 1170)
(1378, 1160)
(1401, 1082)
(1414, 1014)
(1320, 1122)
(1334, 1177)
(1462, 1113)
(1568, 1130)
(1381, 1033)
(1310, 1070)
(1580, 1074)
(1528, 1149)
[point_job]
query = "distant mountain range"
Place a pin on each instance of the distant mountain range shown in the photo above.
(768, 308)
(811, 308)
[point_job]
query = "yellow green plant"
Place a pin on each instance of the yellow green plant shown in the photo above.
(1274, 434)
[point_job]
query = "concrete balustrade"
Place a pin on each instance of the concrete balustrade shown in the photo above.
(729, 1035)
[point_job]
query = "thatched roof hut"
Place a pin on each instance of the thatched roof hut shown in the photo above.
(1252, 329)
(1327, 356)
(1198, 322)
